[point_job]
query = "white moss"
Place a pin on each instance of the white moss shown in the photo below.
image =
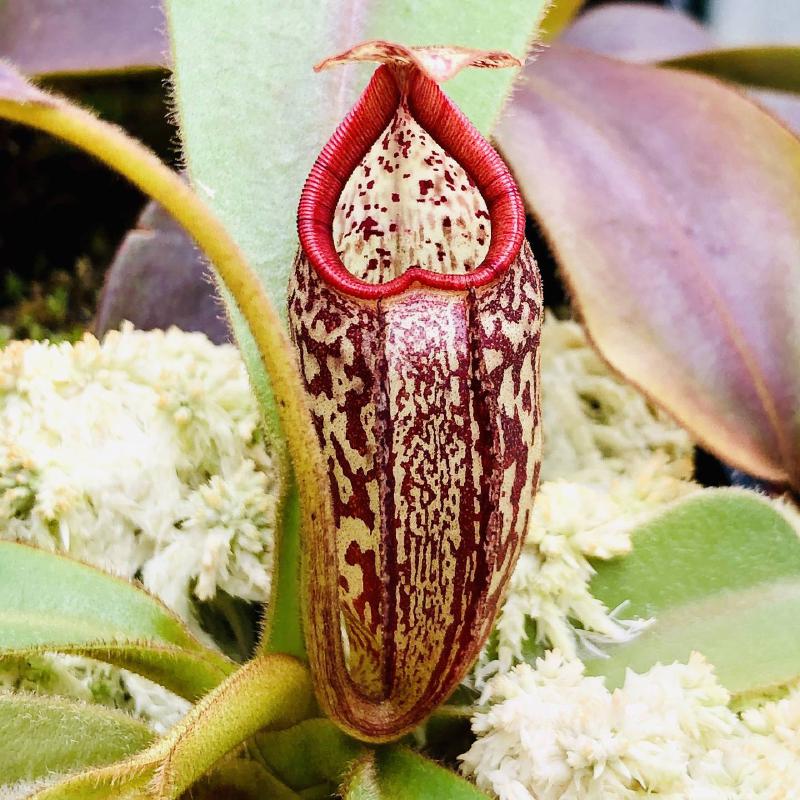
(140, 449)
(143, 455)
(551, 733)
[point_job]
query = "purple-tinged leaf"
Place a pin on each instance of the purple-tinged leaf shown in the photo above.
(783, 105)
(673, 205)
(159, 278)
(645, 34)
(637, 32)
(54, 37)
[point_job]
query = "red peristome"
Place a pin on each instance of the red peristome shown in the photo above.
(452, 131)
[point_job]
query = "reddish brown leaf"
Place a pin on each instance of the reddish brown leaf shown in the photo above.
(673, 204)
(53, 36)
(637, 32)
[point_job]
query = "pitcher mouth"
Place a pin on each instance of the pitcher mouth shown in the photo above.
(451, 130)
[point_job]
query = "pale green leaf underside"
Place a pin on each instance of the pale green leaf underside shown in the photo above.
(720, 572)
(41, 736)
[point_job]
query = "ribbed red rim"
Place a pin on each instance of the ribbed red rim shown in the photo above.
(352, 140)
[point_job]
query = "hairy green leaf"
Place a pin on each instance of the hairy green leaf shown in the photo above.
(361, 781)
(47, 598)
(42, 736)
(720, 573)
(268, 692)
(188, 673)
(46, 37)
(241, 779)
(50, 602)
(395, 772)
(673, 207)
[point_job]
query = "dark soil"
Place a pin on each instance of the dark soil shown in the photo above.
(62, 214)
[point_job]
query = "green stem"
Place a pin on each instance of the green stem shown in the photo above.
(268, 692)
(271, 691)
(283, 630)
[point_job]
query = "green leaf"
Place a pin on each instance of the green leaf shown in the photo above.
(311, 753)
(765, 67)
(82, 36)
(655, 187)
(268, 692)
(720, 573)
(42, 736)
(361, 781)
(283, 628)
(187, 673)
(397, 773)
(253, 117)
(50, 602)
(46, 598)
